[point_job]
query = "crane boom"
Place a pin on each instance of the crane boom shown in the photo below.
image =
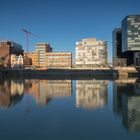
(27, 38)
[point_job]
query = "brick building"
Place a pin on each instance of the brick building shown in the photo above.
(8, 48)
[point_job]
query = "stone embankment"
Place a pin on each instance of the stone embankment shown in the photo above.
(101, 72)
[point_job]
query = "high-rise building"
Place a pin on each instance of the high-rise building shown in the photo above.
(131, 39)
(91, 53)
(40, 54)
(128, 39)
(8, 48)
(131, 33)
(118, 58)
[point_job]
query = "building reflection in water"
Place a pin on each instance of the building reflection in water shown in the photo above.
(44, 90)
(91, 94)
(126, 103)
(11, 92)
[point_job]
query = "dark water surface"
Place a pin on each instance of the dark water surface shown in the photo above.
(70, 109)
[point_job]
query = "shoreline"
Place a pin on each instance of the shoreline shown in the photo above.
(66, 73)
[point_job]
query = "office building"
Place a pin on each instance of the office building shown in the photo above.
(129, 42)
(40, 54)
(131, 33)
(58, 60)
(131, 39)
(118, 57)
(8, 48)
(91, 53)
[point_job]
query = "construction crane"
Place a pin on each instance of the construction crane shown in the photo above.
(27, 38)
(27, 49)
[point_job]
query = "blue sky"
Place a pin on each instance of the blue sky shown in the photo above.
(63, 22)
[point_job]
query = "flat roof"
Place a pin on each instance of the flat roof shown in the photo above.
(42, 43)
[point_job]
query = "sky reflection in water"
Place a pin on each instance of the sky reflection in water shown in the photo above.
(66, 109)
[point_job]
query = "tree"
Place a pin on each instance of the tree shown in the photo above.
(2, 61)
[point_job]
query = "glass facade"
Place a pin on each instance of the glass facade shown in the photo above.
(117, 43)
(131, 33)
(118, 58)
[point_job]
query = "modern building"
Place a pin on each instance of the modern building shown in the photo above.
(131, 39)
(118, 58)
(40, 54)
(59, 60)
(91, 53)
(131, 33)
(129, 42)
(8, 48)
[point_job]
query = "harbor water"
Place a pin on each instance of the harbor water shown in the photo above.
(81, 109)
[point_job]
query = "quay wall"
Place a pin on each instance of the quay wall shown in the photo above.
(59, 72)
(108, 72)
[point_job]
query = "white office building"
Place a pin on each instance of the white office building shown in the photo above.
(91, 53)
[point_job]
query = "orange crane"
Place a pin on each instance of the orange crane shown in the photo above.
(27, 38)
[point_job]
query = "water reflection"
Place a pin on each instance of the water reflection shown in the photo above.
(44, 90)
(11, 92)
(91, 94)
(126, 103)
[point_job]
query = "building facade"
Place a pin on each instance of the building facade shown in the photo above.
(131, 33)
(118, 58)
(28, 59)
(91, 53)
(8, 48)
(59, 60)
(127, 42)
(39, 58)
(131, 39)
(17, 62)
